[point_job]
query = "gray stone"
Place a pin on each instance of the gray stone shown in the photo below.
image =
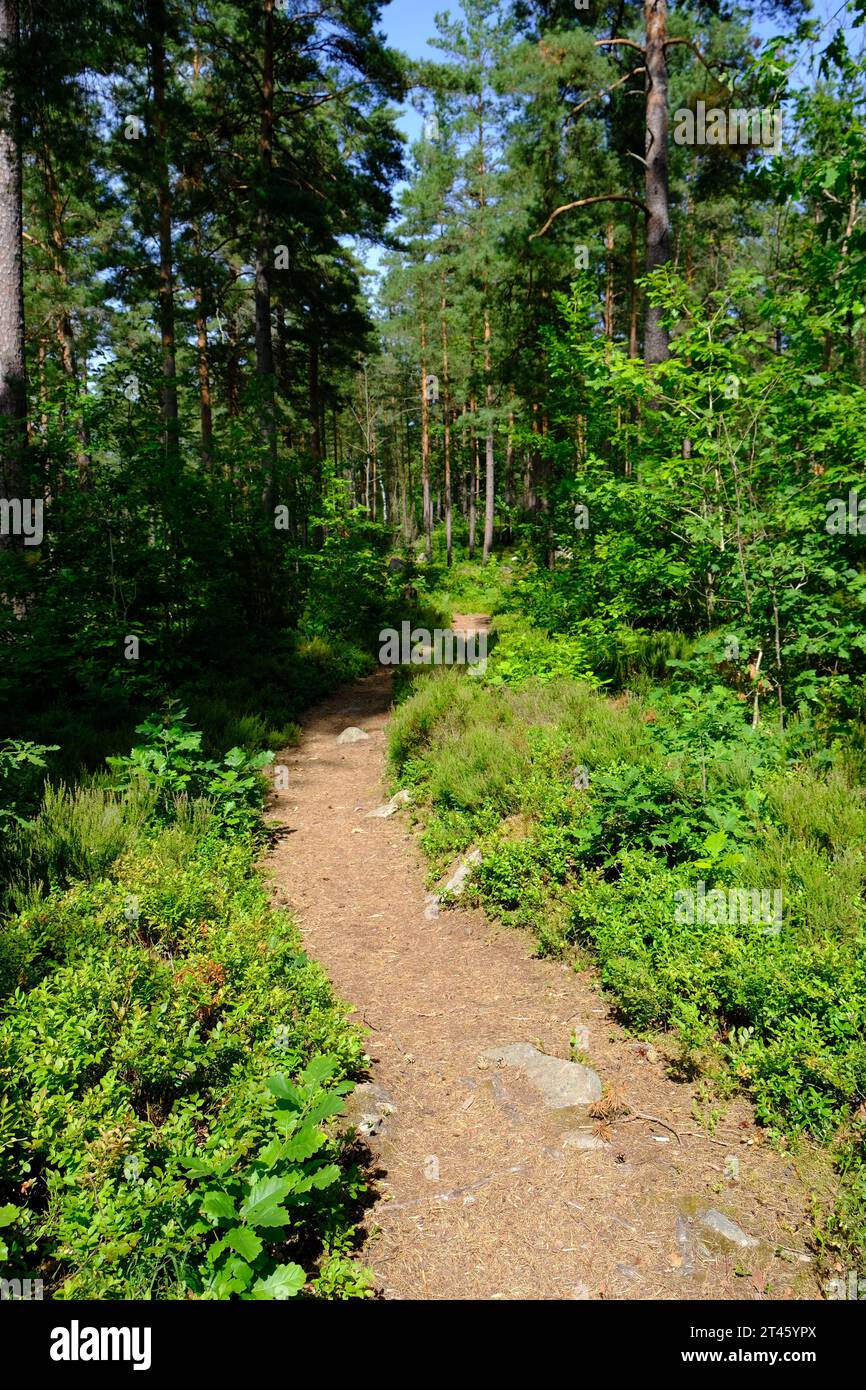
(561, 1083)
(431, 911)
(352, 735)
(685, 1246)
(457, 881)
(396, 565)
(722, 1225)
(583, 1139)
(368, 1107)
(390, 807)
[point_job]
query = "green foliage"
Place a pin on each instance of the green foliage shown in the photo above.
(143, 1014)
(679, 787)
(19, 761)
(253, 1209)
(170, 760)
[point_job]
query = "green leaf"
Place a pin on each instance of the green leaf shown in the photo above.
(8, 1214)
(319, 1069)
(219, 1206)
(304, 1144)
(715, 842)
(244, 1241)
(286, 1281)
(281, 1087)
(262, 1207)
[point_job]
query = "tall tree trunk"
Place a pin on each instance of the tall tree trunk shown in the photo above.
(608, 282)
(157, 24)
(658, 228)
(204, 393)
(13, 388)
(632, 292)
(425, 449)
(489, 462)
(316, 440)
(446, 398)
(264, 338)
(473, 485)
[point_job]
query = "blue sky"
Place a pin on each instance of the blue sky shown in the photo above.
(408, 25)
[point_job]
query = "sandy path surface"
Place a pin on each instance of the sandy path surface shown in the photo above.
(482, 1191)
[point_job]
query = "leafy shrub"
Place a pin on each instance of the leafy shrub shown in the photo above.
(144, 1014)
(20, 765)
(170, 760)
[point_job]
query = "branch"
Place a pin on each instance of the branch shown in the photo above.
(584, 202)
(629, 43)
(607, 91)
(41, 244)
(689, 43)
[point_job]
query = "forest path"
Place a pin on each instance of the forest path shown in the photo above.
(485, 1192)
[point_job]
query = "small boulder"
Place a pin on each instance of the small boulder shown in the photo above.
(721, 1225)
(584, 1139)
(352, 735)
(390, 807)
(457, 881)
(368, 1108)
(561, 1083)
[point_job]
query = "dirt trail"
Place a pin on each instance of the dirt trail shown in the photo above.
(483, 1193)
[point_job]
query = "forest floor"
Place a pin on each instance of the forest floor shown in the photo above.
(483, 1190)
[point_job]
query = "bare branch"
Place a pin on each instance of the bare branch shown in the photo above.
(628, 43)
(585, 202)
(708, 63)
(607, 91)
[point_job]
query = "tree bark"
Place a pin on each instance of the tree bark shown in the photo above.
(264, 337)
(157, 25)
(446, 406)
(658, 228)
(489, 461)
(13, 386)
(425, 449)
(204, 391)
(474, 483)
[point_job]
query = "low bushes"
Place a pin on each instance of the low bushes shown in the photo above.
(169, 1056)
(592, 815)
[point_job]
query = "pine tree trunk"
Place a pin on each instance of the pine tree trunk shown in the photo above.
(608, 282)
(489, 461)
(658, 235)
(204, 393)
(13, 389)
(157, 24)
(264, 338)
(473, 486)
(632, 303)
(425, 449)
(446, 398)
